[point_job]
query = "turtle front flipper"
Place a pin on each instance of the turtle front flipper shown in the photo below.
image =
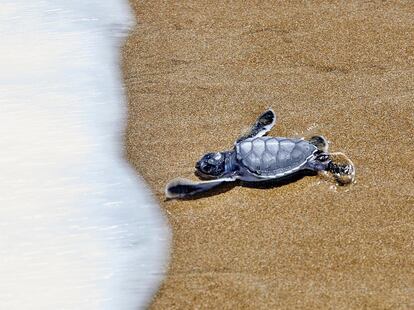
(184, 188)
(263, 124)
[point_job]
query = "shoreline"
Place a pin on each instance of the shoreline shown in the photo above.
(197, 75)
(78, 228)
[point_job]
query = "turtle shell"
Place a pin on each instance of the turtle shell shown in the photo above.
(273, 156)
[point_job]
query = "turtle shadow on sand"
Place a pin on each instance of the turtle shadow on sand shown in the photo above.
(273, 183)
(281, 181)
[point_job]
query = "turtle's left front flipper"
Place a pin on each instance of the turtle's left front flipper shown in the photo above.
(184, 188)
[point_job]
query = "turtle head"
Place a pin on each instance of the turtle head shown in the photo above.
(211, 165)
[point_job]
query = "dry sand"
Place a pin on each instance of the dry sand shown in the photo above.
(199, 72)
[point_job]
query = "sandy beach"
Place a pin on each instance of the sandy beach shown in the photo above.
(199, 73)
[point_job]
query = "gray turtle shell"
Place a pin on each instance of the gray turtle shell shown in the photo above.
(273, 156)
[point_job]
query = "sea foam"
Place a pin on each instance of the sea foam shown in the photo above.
(78, 229)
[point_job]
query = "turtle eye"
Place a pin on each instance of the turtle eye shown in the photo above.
(217, 156)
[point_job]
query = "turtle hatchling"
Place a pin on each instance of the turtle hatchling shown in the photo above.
(258, 158)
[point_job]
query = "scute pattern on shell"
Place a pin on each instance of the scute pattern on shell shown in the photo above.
(273, 156)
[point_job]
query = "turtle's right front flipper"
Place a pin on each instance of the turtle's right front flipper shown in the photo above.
(184, 188)
(263, 124)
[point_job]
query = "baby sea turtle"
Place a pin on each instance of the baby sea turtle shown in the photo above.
(256, 158)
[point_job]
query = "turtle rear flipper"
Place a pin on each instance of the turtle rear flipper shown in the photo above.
(320, 142)
(341, 168)
(263, 124)
(184, 188)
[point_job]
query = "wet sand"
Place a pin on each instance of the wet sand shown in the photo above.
(199, 73)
